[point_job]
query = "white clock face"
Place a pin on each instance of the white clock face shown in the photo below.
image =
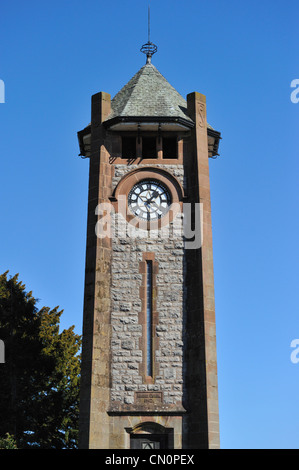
(149, 199)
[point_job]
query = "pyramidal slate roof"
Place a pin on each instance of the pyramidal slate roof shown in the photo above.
(149, 94)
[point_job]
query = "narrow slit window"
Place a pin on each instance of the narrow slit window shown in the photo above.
(149, 318)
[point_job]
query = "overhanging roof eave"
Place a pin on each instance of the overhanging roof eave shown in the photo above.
(87, 130)
(142, 119)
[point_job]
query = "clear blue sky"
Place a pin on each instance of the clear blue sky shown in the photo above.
(243, 56)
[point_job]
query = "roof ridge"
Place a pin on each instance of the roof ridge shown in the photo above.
(129, 89)
(174, 89)
(139, 75)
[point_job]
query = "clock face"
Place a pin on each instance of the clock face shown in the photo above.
(149, 199)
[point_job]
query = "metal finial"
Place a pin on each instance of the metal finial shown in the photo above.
(149, 48)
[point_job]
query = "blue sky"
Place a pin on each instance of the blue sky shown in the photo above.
(243, 57)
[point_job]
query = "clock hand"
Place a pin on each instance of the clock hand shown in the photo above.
(159, 208)
(156, 206)
(154, 195)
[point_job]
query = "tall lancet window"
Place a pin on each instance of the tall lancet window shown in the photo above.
(149, 318)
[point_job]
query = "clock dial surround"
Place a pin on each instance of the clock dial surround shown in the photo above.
(149, 199)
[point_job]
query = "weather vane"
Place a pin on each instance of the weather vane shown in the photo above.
(149, 48)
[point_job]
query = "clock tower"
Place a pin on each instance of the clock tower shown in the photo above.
(149, 369)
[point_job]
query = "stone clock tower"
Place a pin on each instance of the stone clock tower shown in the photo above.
(149, 370)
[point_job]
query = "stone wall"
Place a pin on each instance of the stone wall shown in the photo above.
(126, 352)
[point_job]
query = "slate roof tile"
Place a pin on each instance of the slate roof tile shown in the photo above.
(148, 94)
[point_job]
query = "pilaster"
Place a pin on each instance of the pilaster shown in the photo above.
(200, 283)
(95, 380)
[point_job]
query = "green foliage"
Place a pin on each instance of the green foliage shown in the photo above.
(8, 442)
(40, 380)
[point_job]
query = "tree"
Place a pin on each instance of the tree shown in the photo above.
(7, 442)
(40, 379)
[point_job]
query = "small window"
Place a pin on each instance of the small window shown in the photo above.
(170, 148)
(128, 147)
(149, 147)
